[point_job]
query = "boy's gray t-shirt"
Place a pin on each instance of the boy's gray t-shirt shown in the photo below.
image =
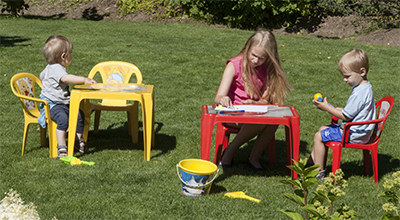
(361, 107)
(53, 88)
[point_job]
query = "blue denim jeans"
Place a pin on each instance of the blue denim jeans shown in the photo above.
(60, 114)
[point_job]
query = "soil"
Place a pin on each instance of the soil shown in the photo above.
(345, 28)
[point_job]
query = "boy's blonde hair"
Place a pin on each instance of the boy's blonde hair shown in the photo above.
(54, 47)
(276, 83)
(354, 60)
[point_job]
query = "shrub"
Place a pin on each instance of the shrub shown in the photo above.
(248, 14)
(328, 192)
(392, 193)
(13, 7)
(385, 14)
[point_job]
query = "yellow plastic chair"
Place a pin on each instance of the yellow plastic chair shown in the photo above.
(23, 86)
(117, 72)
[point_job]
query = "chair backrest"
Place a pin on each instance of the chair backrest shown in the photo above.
(384, 106)
(116, 72)
(23, 86)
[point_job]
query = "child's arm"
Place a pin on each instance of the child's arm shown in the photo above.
(73, 79)
(324, 106)
(222, 94)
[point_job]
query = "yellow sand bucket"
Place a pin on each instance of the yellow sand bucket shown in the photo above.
(196, 176)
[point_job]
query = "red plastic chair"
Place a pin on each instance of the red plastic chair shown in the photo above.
(222, 140)
(384, 106)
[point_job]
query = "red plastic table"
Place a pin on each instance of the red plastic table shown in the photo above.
(276, 115)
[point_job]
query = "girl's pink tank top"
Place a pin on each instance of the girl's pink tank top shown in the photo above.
(237, 92)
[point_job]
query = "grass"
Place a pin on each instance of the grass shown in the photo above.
(185, 63)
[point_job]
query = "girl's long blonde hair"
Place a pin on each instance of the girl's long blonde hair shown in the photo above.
(276, 86)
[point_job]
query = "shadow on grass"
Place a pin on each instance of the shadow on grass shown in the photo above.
(12, 41)
(242, 168)
(90, 13)
(386, 164)
(116, 137)
(38, 17)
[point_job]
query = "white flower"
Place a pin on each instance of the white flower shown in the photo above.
(12, 207)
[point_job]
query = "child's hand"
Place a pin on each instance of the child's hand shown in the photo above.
(225, 101)
(90, 81)
(322, 105)
(249, 101)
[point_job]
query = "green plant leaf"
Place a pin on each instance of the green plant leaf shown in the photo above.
(292, 182)
(312, 210)
(295, 198)
(291, 214)
(388, 216)
(311, 171)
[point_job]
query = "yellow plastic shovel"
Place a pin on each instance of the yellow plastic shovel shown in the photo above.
(241, 195)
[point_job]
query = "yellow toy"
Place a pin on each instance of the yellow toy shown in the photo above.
(241, 195)
(318, 97)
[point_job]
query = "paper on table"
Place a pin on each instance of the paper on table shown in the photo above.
(246, 108)
(116, 87)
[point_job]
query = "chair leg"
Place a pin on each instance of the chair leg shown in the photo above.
(96, 121)
(43, 140)
(26, 129)
(133, 122)
(367, 157)
(336, 155)
(52, 139)
(85, 106)
(374, 155)
(271, 151)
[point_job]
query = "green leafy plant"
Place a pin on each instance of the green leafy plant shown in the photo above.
(381, 14)
(328, 192)
(392, 193)
(160, 8)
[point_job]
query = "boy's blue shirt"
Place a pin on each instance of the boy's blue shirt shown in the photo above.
(361, 107)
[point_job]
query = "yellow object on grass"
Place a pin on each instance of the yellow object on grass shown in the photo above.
(241, 195)
(76, 161)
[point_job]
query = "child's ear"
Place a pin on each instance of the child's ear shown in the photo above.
(363, 71)
(63, 56)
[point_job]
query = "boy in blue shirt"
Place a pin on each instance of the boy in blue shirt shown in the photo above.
(353, 66)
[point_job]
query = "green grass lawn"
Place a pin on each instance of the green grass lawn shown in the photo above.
(185, 64)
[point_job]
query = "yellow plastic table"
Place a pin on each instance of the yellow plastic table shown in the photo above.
(135, 92)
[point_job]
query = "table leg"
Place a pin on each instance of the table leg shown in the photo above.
(148, 124)
(73, 120)
(295, 134)
(206, 136)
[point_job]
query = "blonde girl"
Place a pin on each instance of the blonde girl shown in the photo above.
(254, 76)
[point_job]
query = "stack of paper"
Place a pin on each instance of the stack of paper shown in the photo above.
(243, 108)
